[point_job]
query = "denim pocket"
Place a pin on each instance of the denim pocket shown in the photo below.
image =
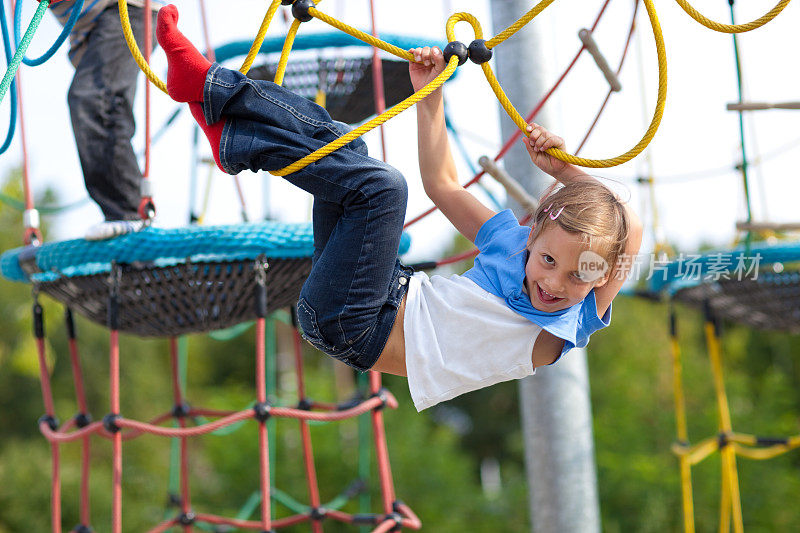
(307, 318)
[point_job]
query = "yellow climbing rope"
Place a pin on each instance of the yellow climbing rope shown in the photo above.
(727, 442)
(134, 48)
(733, 28)
(489, 74)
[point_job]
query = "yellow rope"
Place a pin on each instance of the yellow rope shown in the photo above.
(731, 499)
(736, 28)
(514, 28)
(262, 33)
(459, 17)
(374, 123)
(358, 34)
(134, 48)
(490, 77)
(683, 433)
(287, 47)
(659, 111)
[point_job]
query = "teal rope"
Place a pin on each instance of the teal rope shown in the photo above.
(745, 181)
(23, 45)
(12, 123)
(77, 8)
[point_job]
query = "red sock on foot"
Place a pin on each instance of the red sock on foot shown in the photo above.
(213, 132)
(186, 66)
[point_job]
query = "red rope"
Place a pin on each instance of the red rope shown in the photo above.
(178, 399)
(86, 443)
(261, 395)
(377, 79)
(116, 491)
(305, 433)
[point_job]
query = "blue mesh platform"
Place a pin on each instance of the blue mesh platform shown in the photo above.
(759, 287)
(172, 281)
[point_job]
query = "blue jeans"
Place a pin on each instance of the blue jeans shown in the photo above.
(349, 302)
(101, 108)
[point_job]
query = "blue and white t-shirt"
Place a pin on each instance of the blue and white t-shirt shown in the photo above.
(500, 270)
(464, 333)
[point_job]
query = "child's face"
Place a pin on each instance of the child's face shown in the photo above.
(552, 278)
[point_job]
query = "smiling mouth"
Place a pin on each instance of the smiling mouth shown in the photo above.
(546, 297)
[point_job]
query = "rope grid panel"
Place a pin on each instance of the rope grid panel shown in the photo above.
(755, 286)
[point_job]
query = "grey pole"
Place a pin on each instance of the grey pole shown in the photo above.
(556, 410)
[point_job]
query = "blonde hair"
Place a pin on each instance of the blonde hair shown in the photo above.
(587, 208)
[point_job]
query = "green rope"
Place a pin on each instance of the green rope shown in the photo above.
(11, 71)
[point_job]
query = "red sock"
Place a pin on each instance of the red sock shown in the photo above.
(186, 66)
(213, 132)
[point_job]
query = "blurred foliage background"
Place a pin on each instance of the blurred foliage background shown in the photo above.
(445, 460)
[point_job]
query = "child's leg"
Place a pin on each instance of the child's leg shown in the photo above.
(186, 73)
(359, 204)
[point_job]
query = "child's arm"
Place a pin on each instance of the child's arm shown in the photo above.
(436, 165)
(541, 140)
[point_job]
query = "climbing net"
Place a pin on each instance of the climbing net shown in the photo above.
(117, 428)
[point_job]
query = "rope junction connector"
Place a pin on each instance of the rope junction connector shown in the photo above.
(30, 221)
(81, 528)
(318, 514)
(458, 49)
(50, 420)
(180, 410)
(38, 320)
(83, 419)
(262, 411)
(187, 519)
(383, 394)
(398, 520)
(110, 422)
(479, 52)
(300, 9)
(305, 404)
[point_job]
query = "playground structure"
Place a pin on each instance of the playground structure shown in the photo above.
(258, 270)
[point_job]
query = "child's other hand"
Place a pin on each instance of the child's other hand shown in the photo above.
(428, 63)
(540, 140)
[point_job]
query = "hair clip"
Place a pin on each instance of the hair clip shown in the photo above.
(552, 216)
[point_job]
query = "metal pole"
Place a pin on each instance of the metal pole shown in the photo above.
(556, 411)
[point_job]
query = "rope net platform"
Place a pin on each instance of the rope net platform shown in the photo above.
(169, 282)
(757, 286)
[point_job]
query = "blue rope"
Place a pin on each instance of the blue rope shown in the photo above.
(73, 18)
(12, 123)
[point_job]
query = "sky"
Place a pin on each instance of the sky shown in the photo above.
(697, 134)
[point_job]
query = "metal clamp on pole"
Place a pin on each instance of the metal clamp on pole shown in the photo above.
(591, 46)
(513, 188)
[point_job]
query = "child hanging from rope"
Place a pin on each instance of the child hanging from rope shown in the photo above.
(524, 303)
